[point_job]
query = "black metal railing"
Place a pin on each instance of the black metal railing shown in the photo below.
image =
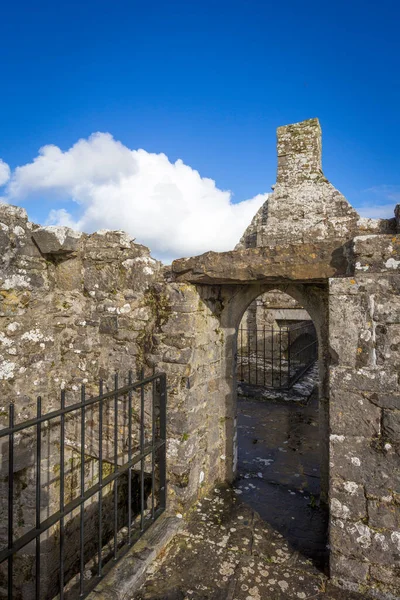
(120, 435)
(276, 357)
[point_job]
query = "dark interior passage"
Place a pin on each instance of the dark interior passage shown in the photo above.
(279, 466)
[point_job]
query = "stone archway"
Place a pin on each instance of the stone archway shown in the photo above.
(308, 241)
(314, 298)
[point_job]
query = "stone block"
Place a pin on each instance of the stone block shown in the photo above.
(391, 425)
(364, 379)
(386, 574)
(347, 568)
(174, 369)
(384, 515)
(183, 323)
(213, 385)
(109, 324)
(175, 355)
(388, 345)
(345, 286)
(10, 213)
(365, 462)
(377, 253)
(184, 297)
(100, 277)
(56, 239)
(347, 500)
(299, 151)
(69, 275)
(391, 401)
(350, 327)
(387, 308)
(177, 422)
(351, 413)
(214, 433)
(360, 542)
(176, 341)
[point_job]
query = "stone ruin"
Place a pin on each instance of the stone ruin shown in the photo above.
(75, 308)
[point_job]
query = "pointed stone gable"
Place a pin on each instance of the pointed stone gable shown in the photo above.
(304, 206)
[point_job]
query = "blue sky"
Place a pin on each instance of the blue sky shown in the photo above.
(206, 82)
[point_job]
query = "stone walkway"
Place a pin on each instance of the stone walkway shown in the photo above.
(264, 538)
(279, 470)
(227, 552)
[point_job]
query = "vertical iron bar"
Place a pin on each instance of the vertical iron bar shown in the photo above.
(256, 356)
(141, 452)
(163, 436)
(272, 355)
(264, 366)
(288, 354)
(130, 381)
(62, 473)
(10, 500)
(280, 357)
(248, 355)
(38, 484)
(100, 540)
(241, 353)
(153, 443)
(115, 464)
(82, 507)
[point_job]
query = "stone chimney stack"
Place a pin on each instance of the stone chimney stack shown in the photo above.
(304, 206)
(299, 153)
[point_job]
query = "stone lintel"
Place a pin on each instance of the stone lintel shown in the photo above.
(292, 262)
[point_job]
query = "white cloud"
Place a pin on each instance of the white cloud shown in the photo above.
(380, 201)
(4, 172)
(167, 206)
(390, 192)
(377, 211)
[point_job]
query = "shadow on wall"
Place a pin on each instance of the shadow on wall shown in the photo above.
(50, 568)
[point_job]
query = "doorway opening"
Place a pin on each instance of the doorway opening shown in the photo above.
(279, 445)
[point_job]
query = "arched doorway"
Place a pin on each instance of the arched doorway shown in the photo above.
(277, 344)
(278, 422)
(280, 444)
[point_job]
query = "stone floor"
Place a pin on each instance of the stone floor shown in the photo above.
(279, 470)
(265, 538)
(227, 552)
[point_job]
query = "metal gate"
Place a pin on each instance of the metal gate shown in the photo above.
(72, 541)
(276, 357)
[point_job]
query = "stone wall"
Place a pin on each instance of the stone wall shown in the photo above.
(358, 344)
(364, 318)
(76, 308)
(190, 349)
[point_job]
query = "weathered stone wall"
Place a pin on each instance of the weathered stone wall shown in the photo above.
(364, 324)
(76, 308)
(190, 349)
(73, 309)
